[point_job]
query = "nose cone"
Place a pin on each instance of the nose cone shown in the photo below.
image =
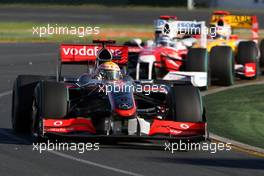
(125, 106)
(123, 103)
(126, 112)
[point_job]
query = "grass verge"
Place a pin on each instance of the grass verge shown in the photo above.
(238, 114)
(23, 32)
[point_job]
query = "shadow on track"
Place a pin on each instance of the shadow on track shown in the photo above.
(7, 136)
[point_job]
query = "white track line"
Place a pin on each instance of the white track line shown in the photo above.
(94, 164)
(5, 93)
(87, 162)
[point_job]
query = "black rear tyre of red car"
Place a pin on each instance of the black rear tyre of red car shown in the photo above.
(197, 61)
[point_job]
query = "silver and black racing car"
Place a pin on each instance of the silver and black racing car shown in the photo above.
(105, 102)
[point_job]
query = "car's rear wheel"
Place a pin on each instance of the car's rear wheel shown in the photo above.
(222, 65)
(261, 47)
(197, 61)
(247, 53)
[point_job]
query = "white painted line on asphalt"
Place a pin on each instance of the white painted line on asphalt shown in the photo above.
(5, 93)
(121, 171)
(94, 164)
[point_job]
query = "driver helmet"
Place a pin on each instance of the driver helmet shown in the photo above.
(223, 30)
(164, 41)
(108, 71)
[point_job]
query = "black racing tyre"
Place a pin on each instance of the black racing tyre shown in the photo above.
(247, 52)
(261, 48)
(51, 99)
(132, 59)
(132, 64)
(185, 104)
(222, 65)
(144, 69)
(22, 99)
(197, 61)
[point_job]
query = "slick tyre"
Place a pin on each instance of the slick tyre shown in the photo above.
(22, 98)
(51, 99)
(186, 104)
(261, 48)
(247, 53)
(222, 65)
(197, 61)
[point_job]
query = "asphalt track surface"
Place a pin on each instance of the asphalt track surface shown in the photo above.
(18, 158)
(105, 15)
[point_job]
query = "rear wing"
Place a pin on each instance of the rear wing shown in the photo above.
(82, 54)
(173, 28)
(238, 21)
(88, 54)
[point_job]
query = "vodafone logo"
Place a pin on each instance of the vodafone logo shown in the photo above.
(57, 123)
(83, 51)
(184, 126)
(87, 51)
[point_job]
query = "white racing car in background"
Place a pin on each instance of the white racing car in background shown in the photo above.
(177, 52)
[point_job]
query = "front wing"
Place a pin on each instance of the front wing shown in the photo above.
(156, 129)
